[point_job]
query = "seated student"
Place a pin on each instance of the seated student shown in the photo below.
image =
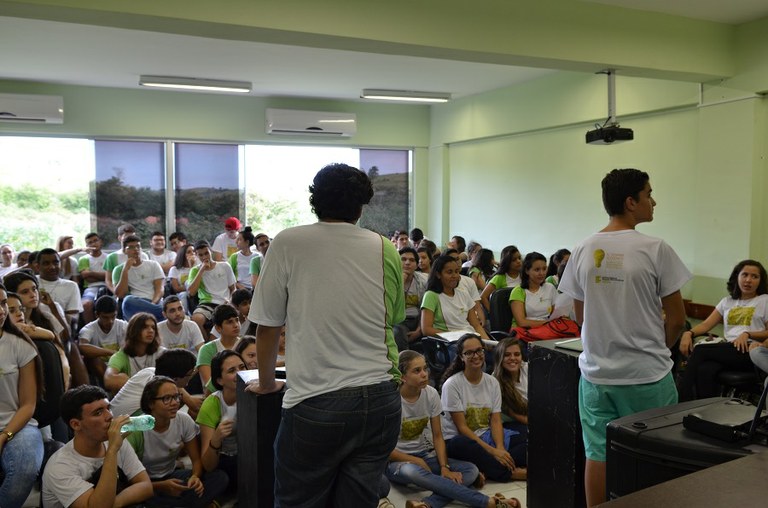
(744, 314)
(157, 252)
(469, 286)
(63, 291)
(212, 281)
(482, 268)
(511, 371)
(119, 257)
(141, 349)
(179, 273)
(22, 258)
(262, 245)
(177, 241)
(177, 364)
(6, 260)
(91, 269)
(97, 467)
(246, 348)
(138, 282)
(21, 383)
(425, 252)
(102, 338)
(65, 247)
(225, 244)
(227, 324)
(472, 249)
(421, 459)
(533, 300)
(415, 285)
(241, 300)
(218, 414)
(158, 449)
(445, 306)
(240, 261)
(560, 257)
(472, 419)
(507, 274)
(460, 244)
(177, 331)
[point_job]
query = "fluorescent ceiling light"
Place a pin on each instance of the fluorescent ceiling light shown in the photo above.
(211, 85)
(405, 95)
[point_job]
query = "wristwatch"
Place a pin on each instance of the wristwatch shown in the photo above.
(9, 434)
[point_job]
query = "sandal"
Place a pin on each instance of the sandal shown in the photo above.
(503, 502)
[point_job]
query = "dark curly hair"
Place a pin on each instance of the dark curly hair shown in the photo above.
(457, 365)
(339, 192)
(620, 184)
(733, 280)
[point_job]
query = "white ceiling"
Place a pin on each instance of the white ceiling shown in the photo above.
(55, 52)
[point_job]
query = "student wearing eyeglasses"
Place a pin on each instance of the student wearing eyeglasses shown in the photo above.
(471, 419)
(159, 448)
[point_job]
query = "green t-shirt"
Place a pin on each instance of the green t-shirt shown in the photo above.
(431, 301)
(255, 268)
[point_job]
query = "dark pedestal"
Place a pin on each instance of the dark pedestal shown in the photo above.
(555, 446)
(258, 418)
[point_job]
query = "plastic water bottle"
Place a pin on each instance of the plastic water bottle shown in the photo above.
(139, 424)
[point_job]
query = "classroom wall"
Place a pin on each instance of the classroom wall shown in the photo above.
(518, 156)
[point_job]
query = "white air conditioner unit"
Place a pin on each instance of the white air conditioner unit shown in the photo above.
(310, 123)
(31, 108)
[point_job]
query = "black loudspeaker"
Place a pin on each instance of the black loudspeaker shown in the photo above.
(652, 447)
(555, 446)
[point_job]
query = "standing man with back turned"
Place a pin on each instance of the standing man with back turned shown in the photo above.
(620, 281)
(342, 408)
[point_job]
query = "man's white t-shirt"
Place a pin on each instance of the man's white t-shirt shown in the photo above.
(189, 337)
(64, 292)
(141, 278)
(621, 276)
(225, 245)
(113, 340)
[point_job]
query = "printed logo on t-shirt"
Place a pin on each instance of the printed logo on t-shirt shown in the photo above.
(599, 254)
(477, 417)
(411, 429)
(741, 316)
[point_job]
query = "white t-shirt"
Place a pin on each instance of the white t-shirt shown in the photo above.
(180, 274)
(468, 285)
(162, 448)
(128, 400)
(189, 337)
(67, 472)
(141, 278)
(242, 267)
(415, 427)
(113, 340)
(225, 246)
(168, 256)
(94, 264)
(741, 316)
(346, 292)
(64, 292)
(522, 385)
(214, 288)
(621, 276)
(72, 268)
(15, 353)
(477, 402)
(538, 305)
(57, 326)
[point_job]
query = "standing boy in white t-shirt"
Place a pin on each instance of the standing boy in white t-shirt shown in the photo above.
(621, 281)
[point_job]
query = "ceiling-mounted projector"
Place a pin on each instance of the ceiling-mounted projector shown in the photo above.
(610, 132)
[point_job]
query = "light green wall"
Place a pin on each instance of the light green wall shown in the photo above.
(520, 171)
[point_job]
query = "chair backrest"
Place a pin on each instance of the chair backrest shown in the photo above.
(437, 357)
(47, 408)
(500, 315)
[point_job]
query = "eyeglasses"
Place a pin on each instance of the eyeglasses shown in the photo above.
(167, 399)
(476, 352)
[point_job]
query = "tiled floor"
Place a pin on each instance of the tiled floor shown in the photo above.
(399, 494)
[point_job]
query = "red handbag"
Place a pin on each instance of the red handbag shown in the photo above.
(558, 328)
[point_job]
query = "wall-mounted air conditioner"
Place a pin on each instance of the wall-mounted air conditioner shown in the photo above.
(310, 123)
(20, 108)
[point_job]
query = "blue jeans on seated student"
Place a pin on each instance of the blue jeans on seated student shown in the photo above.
(464, 448)
(331, 449)
(21, 459)
(443, 490)
(135, 304)
(214, 484)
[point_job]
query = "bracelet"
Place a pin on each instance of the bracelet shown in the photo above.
(446, 466)
(211, 445)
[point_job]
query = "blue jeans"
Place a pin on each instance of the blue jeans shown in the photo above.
(214, 484)
(464, 448)
(135, 304)
(331, 449)
(21, 459)
(443, 490)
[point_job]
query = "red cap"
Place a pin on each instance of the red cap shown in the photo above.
(233, 223)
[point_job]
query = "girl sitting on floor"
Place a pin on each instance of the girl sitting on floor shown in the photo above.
(512, 374)
(422, 461)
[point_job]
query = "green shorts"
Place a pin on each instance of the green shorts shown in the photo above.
(601, 404)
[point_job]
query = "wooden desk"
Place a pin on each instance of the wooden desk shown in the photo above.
(555, 446)
(741, 482)
(258, 418)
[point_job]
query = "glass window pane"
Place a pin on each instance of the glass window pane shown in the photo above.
(207, 188)
(388, 171)
(130, 187)
(44, 190)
